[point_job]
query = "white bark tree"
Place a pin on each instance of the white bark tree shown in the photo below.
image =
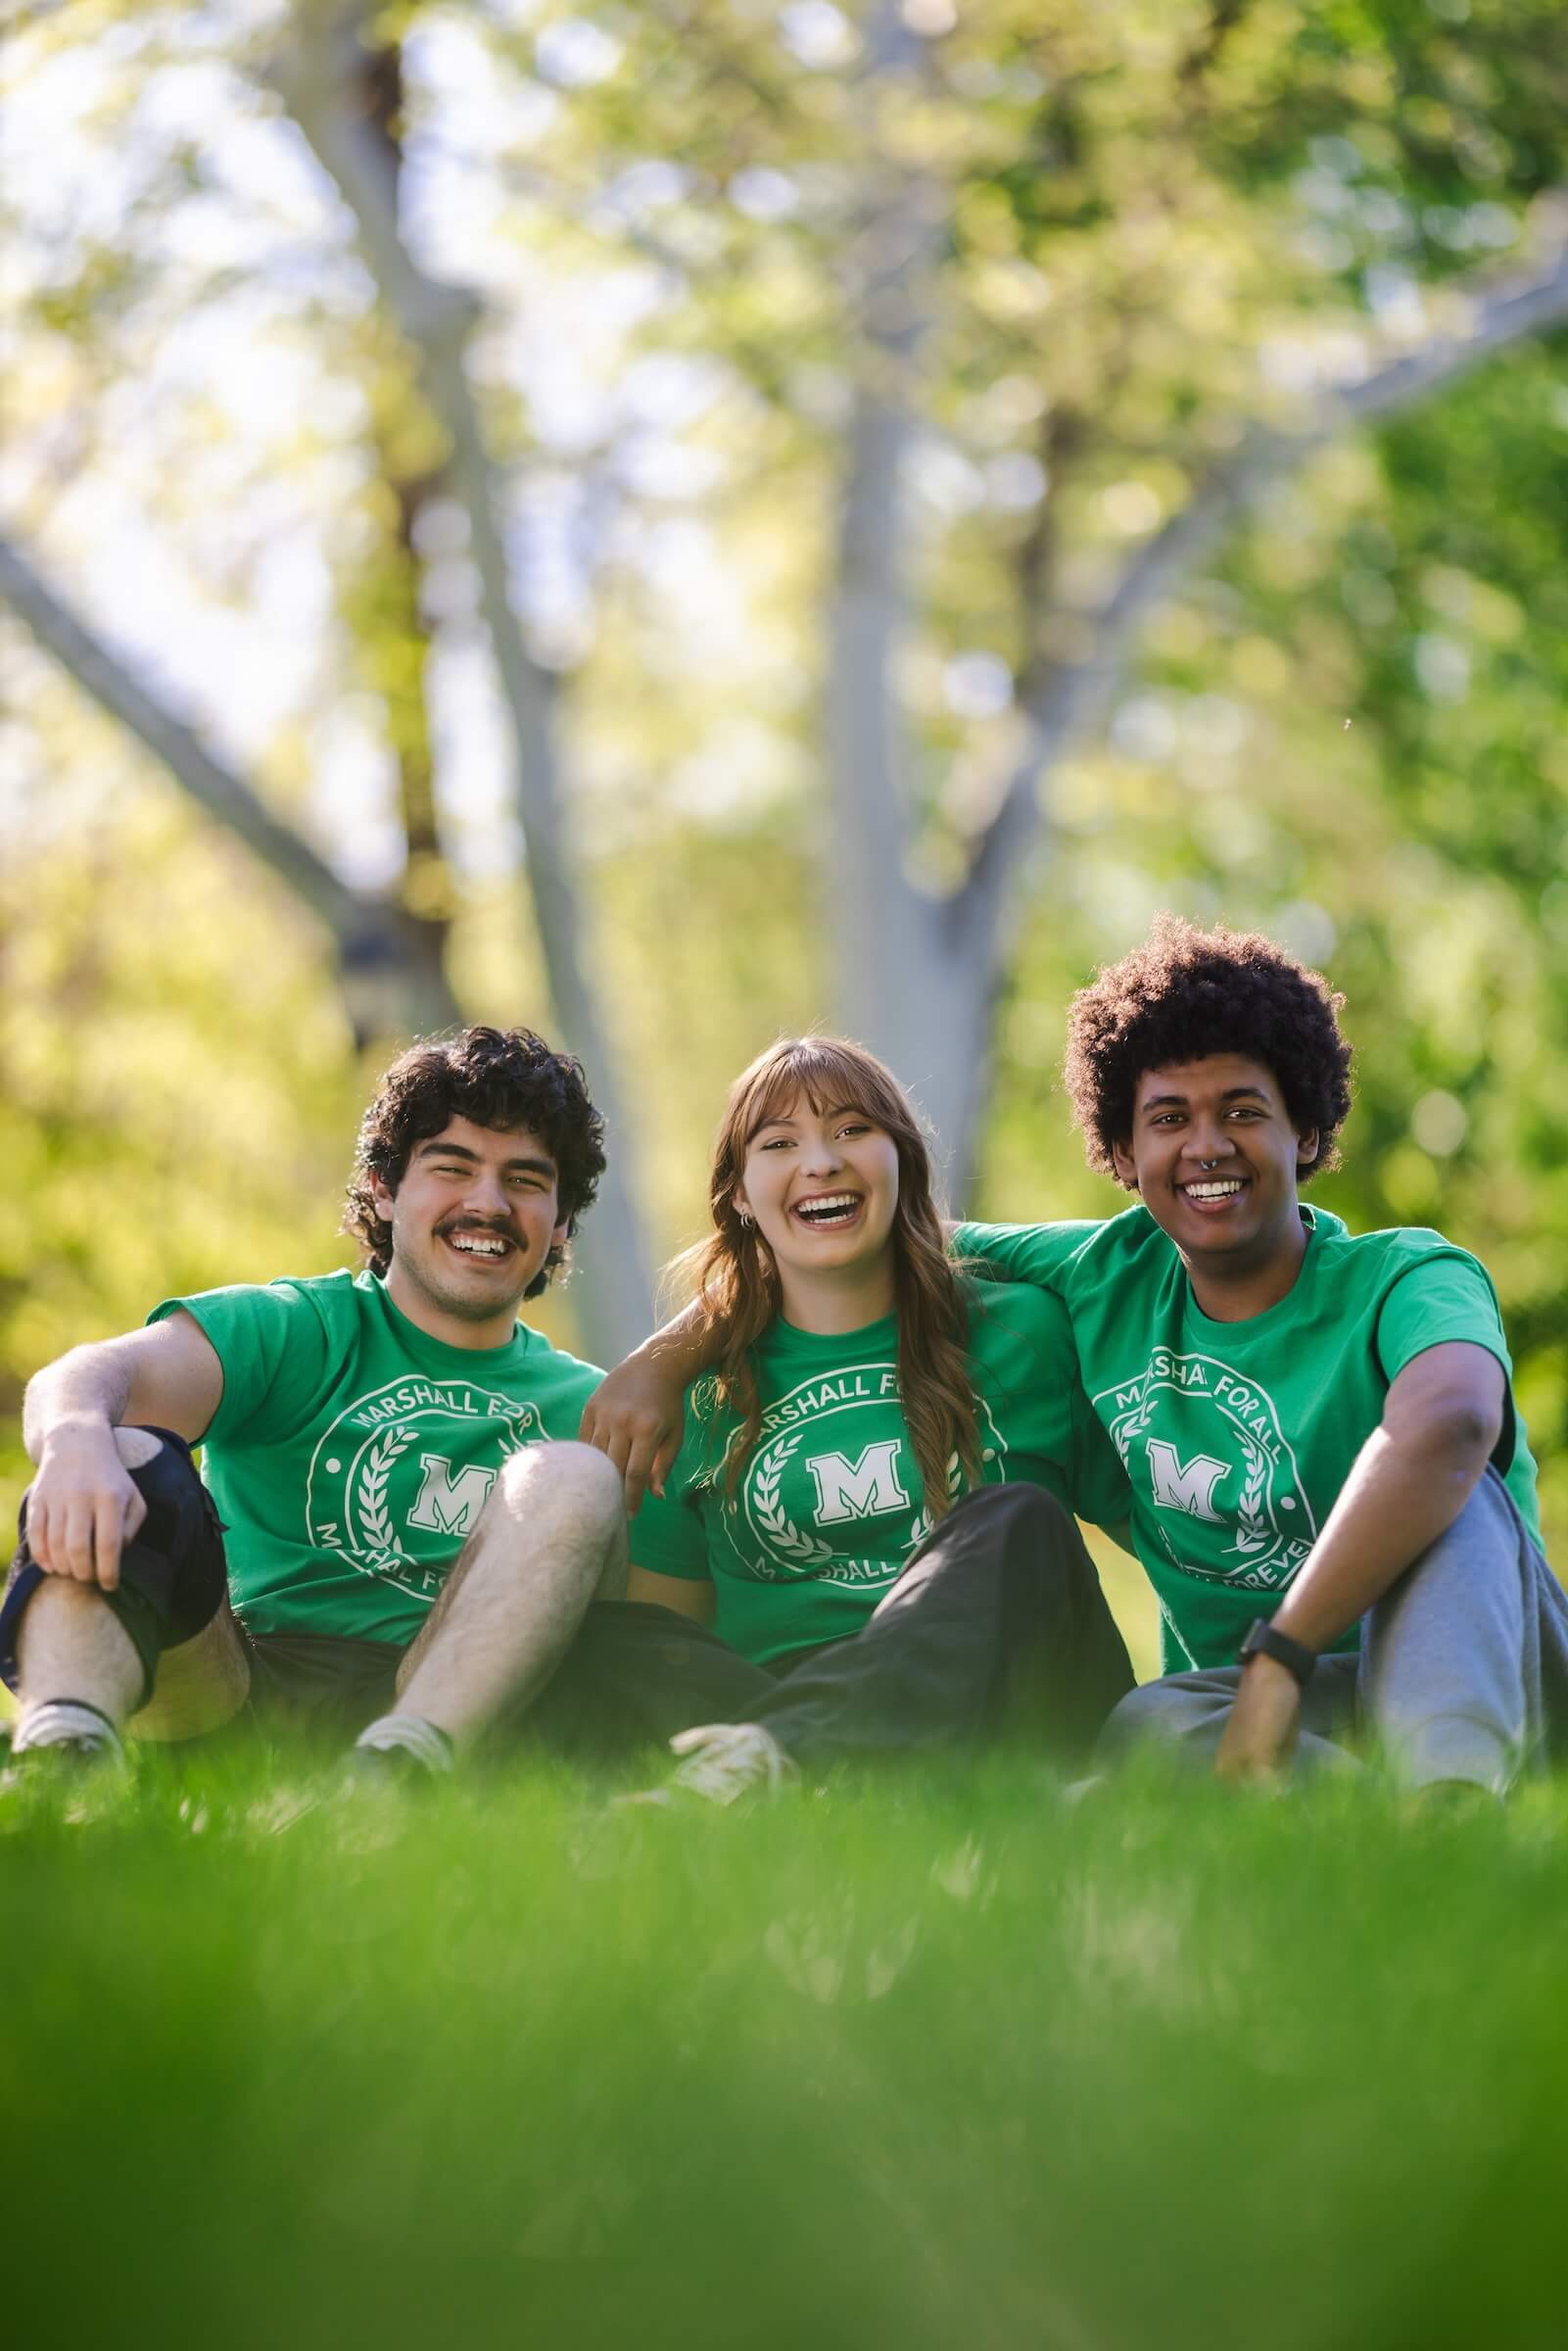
(321, 76)
(392, 974)
(330, 73)
(919, 970)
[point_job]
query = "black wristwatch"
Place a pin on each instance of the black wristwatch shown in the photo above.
(1264, 1642)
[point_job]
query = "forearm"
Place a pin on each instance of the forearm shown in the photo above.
(88, 1388)
(83, 1501)
(1402, 1492)
(634, 1415)
(682, 1348)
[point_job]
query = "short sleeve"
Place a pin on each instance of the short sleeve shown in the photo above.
(668, 1536)
(1025, 1332)
(273, 1347)
(1440, 1299)
(1047, 1415)
(1034, 1253)
(1101, 1491)
(1094, 1482)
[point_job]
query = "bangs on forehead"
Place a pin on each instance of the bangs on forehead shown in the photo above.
(828, 1078)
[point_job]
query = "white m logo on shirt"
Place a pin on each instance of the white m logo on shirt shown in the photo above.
(448, 1505)
(1185, 1485)
(859, 1489)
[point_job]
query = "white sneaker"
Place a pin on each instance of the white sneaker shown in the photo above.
(729, 1759)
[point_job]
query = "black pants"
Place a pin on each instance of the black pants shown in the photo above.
(997, 1624)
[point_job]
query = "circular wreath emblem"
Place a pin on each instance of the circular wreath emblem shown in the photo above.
(370, 1468)
(772, 1521)
(1261, 1522)
(770, 1513)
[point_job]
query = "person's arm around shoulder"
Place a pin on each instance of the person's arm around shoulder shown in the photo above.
(83, 1507)
(1442, 1419)
(1036, 1254)
(636, 1413)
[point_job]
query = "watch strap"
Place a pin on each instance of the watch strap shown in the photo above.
(1263, 1641)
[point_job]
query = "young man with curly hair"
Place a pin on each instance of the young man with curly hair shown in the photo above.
(389, 1536)
(1332, 1492)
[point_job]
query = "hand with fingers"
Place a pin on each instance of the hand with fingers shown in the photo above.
(1259, 1736)
(635, 1417)
(82, 1506)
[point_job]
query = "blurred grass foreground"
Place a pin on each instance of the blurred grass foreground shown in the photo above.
(928, 2062)
(1009, 297)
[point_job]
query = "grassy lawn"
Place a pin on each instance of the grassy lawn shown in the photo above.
(934, 2061)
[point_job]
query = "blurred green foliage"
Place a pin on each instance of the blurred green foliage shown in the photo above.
(1160, 220)
(1360, 740)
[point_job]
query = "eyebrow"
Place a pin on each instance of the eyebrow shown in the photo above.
(841, 1110)
(437, 1149)
(1232, 1093)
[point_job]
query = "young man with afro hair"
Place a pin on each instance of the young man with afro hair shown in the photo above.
(1331, 1493)
(384, 1539)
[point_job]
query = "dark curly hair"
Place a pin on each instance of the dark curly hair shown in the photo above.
(1186, 993)
(499, 1079)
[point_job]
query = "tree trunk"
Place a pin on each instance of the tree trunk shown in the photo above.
(920, 975)
(905, 984)
(323, 80)
(391, 966)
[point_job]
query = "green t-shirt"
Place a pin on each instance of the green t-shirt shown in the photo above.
(830, 1502)
(351, 1452)
(1238, 1436)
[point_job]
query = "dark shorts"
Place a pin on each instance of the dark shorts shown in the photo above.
(174, 1579)
(318, 1681)
(172, 1573)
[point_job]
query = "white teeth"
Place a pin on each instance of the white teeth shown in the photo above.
(833, 1207)
(1213, 1191)
(472, 1245)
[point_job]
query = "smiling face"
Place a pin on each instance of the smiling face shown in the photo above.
(1214, 1158)
(823, 1187)
(472, 1221)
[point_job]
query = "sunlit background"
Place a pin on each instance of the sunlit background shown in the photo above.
(832, 374)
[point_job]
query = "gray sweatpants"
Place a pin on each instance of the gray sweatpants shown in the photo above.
(1462, 1671)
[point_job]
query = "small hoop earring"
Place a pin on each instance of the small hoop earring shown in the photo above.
(746, 1218)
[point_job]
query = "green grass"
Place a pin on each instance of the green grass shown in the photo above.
(928, 2062)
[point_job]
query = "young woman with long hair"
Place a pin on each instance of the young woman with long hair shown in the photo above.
(866, 1536)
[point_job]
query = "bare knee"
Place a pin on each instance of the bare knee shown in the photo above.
(136, 1447)
(575, 1480)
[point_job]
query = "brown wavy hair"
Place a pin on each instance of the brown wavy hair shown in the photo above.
(738, 1283)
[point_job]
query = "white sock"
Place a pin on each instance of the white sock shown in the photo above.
(55, 1720)
(410, 1735)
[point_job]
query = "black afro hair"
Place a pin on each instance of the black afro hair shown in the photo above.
(1186, 993)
